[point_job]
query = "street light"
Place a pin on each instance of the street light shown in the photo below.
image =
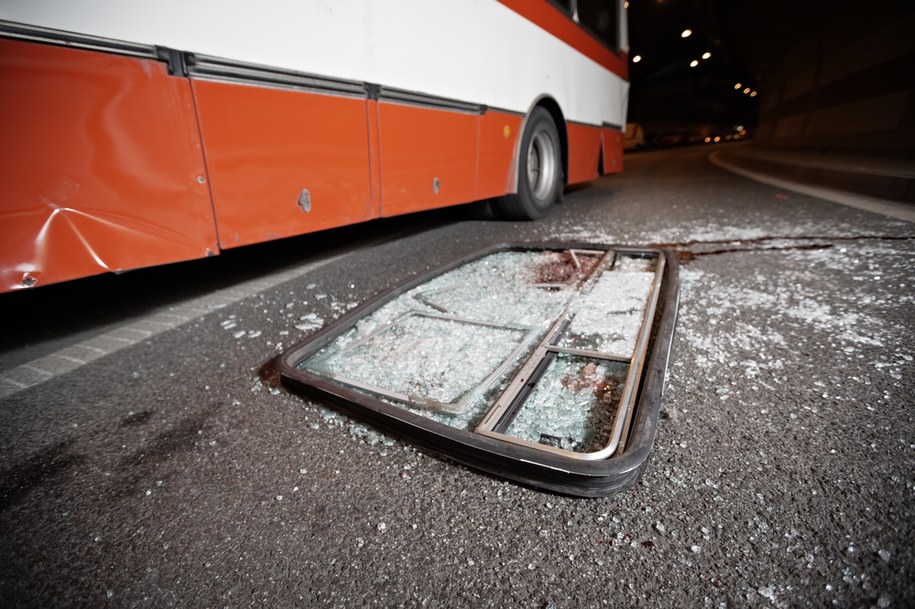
(694, 63)
(706, 55)
(737, 86)
(636, 58)
(686, 33)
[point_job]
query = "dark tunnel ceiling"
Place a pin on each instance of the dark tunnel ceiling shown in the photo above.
(743, 38)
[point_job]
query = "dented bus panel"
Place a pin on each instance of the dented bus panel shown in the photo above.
(101, 168)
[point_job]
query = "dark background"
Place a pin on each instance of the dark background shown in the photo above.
(833, 76)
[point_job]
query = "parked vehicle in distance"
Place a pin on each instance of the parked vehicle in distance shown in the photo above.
(634, 139)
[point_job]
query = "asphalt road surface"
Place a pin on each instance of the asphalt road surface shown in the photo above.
(145, 462)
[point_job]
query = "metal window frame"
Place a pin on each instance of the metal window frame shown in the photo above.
(554, 470)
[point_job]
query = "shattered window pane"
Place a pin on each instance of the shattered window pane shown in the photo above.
(500, 288)
(573, 405)
(609, 317)
(449, 348)
(432, 361)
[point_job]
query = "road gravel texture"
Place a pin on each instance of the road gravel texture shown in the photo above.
(175, 473)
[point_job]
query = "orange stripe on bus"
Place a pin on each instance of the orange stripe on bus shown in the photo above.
(499, 133)
(283, 162)
(612, 140)
(428, 157)
(371, 119)
(584, 152)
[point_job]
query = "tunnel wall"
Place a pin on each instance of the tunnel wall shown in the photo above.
(848, 87)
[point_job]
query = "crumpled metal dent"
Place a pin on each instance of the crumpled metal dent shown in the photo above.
(72, 243)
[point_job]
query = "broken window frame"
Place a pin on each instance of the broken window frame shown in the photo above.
(583, 474)
(513, 398)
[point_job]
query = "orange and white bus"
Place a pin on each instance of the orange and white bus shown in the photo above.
(144, 133)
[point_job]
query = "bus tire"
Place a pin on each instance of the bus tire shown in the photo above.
(540, 178)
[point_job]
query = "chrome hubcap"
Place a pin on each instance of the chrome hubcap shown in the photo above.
(541, 164)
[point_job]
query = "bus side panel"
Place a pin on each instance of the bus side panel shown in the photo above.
(428, 157)
(283, 162)
(613, 150)
(584, 152)
(499, 132)
(100, 167)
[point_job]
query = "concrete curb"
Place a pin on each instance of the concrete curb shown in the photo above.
(889, 179)
(894, 209)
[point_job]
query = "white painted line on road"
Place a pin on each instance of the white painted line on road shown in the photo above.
(75, 360)
(56, 364)
(900, 211)
(16, 384)
(46, 368)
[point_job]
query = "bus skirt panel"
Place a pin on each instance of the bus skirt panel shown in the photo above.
(283, 162)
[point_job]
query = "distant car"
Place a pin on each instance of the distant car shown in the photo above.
(634, 138)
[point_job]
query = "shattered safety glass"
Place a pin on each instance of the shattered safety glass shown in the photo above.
(542, 364)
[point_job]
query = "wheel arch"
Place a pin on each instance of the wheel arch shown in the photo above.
(550, 105)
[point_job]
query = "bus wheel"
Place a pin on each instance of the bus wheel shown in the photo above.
(539, 171)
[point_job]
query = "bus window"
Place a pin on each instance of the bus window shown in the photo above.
(564, 5)
(600, 18)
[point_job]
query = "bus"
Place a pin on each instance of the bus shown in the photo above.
(145, 133)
